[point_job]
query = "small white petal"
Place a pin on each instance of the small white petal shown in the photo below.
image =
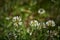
(15, 24)
(17, 17)
(20, 19)
(14, 19)
(7, 18)
(20, 23)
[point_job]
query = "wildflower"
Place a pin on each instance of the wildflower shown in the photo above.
(41, 11)
(50, 23)
(34, 23)
(16, 18)
(17, 21)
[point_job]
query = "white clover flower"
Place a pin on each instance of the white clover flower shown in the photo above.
(50, 23)
(17, 20)
(33, 23)
(41, 11)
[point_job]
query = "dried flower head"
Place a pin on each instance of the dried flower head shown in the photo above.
(41, 11)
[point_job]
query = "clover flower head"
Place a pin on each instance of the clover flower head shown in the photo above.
(17, 20)
(34, 23)
(50, 23)
(41, 11)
